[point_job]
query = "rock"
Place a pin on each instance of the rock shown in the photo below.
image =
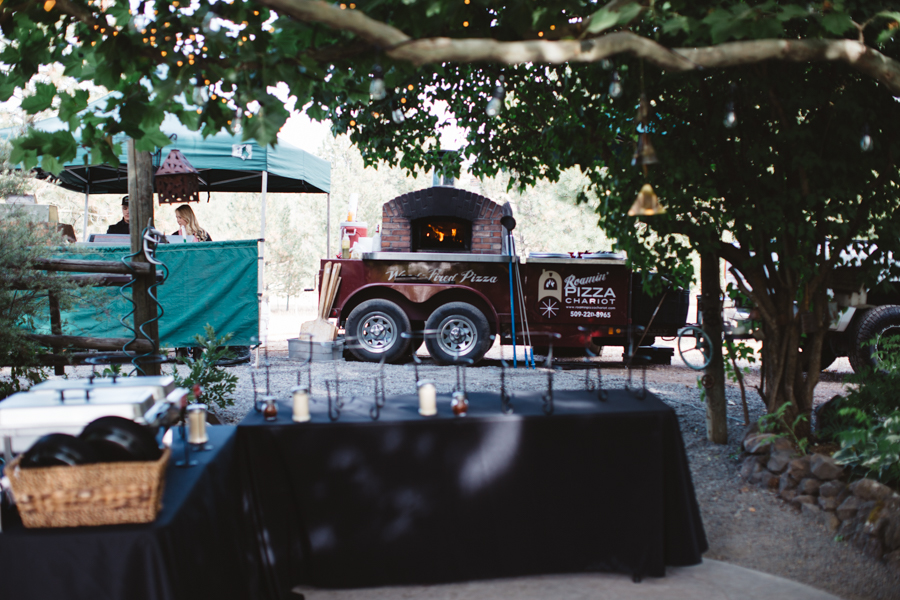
(873, 547)
(783, 444)
(845, 493)
(831, 522)
(779, 460)
(758, 476)
(786, 482)
(825, 467)
(893, 559)
(768, 481)
(758, 443)
(809, 486)
(848, 508)
(810, 510)
(869, 489)
(866, 509)
(750, 467)
(799, 468)
(892, 533)
(799, 500)
(826, 503)
(831, 489)
(788, 495)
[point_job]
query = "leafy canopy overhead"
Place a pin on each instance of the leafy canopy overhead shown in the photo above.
(214, 64)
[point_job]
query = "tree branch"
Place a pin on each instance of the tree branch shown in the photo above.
(400, 46)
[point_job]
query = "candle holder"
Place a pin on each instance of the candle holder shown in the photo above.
(427, 398)
(334, 405)
(547, 398)
(198, 437)
(307, 363)
(270, 410)
(380, 398)
(300, 397)
(459, 404)
(505, 399)
(187, 462)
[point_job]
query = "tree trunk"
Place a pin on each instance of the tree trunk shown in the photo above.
(140, 199)
(714, 379)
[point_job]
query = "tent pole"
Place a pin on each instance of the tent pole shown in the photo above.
(87, 195)
(261, 284)
(328, 225)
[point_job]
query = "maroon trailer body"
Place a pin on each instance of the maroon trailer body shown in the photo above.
(466, 297)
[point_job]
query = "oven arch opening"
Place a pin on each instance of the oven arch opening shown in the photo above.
(441, 234)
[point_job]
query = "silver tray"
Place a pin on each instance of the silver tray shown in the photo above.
(163, 384)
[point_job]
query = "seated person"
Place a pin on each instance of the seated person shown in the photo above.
(187, 223)
(122, 226)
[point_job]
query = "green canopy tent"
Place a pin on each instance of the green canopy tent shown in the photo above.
(226, 164)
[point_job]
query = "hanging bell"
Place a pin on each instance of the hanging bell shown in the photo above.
(647, 203)
(644, 154)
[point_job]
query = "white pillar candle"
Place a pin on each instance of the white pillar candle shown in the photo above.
(301, 404)
(197, 424)
(427, 399)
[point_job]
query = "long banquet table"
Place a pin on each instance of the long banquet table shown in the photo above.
(194, 549)
(596, 486)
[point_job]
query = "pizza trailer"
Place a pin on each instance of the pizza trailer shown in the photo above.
(446, 268)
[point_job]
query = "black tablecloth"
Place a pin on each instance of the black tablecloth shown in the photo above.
(596, 486)
(193, 549)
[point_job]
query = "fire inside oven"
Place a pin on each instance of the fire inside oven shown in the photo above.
(441, 234)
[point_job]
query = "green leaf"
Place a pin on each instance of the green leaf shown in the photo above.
(836, 22)
(676, 24)
(51, 164)
(70, 106)
(151, 140)
(792, 11)
(606, 18)
(42, 99)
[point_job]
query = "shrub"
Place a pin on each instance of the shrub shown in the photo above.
(216, 383)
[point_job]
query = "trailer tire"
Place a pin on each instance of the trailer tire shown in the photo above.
(461, 328)
(882, 320)
(377, 324)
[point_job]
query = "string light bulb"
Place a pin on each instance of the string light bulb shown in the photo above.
(730, 119)
(615, 85)
(377, 90)
(865, 142)
(495, 104)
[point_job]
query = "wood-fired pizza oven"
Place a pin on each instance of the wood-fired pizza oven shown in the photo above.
(441, 219)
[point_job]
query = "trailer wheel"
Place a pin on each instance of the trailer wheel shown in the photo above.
(376, 325)
(462, 331)
(876, 323)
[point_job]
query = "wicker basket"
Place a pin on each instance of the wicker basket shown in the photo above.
(95, 494)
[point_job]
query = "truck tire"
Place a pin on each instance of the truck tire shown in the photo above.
(881, 320)
(376, 325)
(462, 330)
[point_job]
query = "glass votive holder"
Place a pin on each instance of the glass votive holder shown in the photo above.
(427, 398)
(270, 408)
(196, 418)
(459, 404)
(300, 396)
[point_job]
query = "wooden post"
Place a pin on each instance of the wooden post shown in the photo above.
(140, 200)
(55, 327)
(711, 303)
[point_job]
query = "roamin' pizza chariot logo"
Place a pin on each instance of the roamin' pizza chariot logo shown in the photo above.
(549, 293)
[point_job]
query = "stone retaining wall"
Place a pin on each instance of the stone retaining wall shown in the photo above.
(865, 512)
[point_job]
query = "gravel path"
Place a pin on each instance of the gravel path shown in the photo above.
(745, 525)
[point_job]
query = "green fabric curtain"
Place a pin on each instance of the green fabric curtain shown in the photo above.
(209, 283)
